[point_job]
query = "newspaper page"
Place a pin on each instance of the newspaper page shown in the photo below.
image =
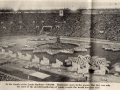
(59, 44)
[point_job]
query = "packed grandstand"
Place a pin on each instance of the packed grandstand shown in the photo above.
(100, 24)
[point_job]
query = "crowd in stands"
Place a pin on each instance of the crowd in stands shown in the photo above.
(109, 24)
(101, 26)
(4, 77)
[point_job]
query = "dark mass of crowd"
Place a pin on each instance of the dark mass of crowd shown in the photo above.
(4, 77)
(100, 25)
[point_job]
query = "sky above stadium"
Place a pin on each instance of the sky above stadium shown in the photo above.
(58, 4)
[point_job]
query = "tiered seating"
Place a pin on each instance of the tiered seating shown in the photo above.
(105, 26)
(4, 77)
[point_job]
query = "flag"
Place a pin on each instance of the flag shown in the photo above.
(61, 13)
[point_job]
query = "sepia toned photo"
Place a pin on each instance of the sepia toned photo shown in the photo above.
(60, 41)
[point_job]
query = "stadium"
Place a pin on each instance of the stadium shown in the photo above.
(67, 45)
